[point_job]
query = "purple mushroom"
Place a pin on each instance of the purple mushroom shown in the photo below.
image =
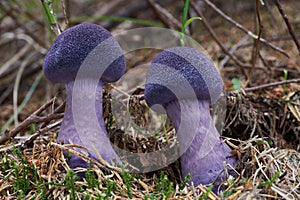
(184, 82)
(61, 65)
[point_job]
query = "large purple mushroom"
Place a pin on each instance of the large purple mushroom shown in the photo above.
(61, 65)
(184, 82)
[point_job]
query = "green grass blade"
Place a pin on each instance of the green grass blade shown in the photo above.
(49, 11)
(185, 13)
(189, 21)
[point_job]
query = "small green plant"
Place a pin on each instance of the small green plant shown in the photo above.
(186, 22)
(243, 180)
(22, 183)
(70, 179)
(236, 84)
(22, 175)
(229, 192)
(4, 162)
(111, 188)
(231, 183)
(205, 195)
(285, 75)
(270, 142)
(273, 180)
(187, 178)
(164, 188)
(32, 128)
(127, 178)
(91, 179)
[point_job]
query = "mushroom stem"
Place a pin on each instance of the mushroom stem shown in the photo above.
(203, 152)
(68, 132)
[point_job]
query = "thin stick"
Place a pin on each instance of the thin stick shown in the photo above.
(260, 29)
(59, 109)
(256, 44)
(100, 163)
(31, 138)
(33, 118)
(286, 20)
(242, 28)
(233, 49)
(272, 84)
(213, 34)
(166, 17)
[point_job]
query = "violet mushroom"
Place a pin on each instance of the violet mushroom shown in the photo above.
(61, 65)
(184, 82)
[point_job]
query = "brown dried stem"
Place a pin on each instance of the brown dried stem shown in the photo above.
(33, 118)
(286, 20)
(242, 28)
(214, 35)
(272, 84)
(256, 44)
(165, 16)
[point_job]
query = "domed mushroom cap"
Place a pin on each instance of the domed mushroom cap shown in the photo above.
(72, 46)
(174, 69)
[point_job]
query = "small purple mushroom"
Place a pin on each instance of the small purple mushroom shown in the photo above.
(184, 82)
(61, 64)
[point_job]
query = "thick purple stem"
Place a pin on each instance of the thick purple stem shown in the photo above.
(203, 151)
(68, 132)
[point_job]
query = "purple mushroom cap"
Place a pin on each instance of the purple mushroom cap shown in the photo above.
(192, 66)
(69, 50)
(185, 83)
(62, 63)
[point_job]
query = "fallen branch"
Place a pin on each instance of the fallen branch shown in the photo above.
(272, 84)
(165, 16)
(101, 163)
(256, 43)
(214, 35)
(242, 28)
(286, 20)
(33, 118)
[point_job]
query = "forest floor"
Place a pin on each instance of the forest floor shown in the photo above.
(255, 50)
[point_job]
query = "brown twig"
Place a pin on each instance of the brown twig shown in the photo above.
(256, 43)
(59, 109)
(100, 163)
(242, 28)
(233, 49)
(33, 118)
(165, 16)
(272, 84)
(229, 54)
(213, 34)
(286, 20)
(30, 120)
